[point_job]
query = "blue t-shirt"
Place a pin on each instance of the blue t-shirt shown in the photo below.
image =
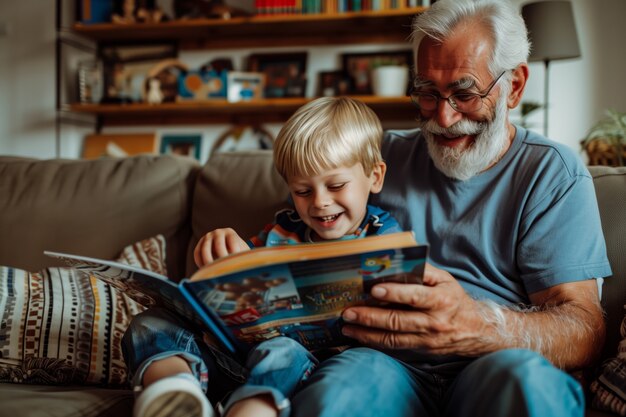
(289, 229)
(528, 223)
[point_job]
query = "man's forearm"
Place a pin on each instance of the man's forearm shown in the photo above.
(570, 334)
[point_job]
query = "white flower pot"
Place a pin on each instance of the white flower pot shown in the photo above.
(390, 80)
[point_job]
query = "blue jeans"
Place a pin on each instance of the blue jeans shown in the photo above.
(361, 381)
(276, 367)
(364, 382)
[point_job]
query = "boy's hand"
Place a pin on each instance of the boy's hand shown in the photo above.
(217, 244)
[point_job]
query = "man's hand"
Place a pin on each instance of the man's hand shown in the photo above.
(565, 322)
(217, 244)
(442, 319)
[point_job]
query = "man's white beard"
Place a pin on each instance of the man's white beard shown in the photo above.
(490, 141)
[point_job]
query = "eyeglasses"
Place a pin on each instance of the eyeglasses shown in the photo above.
(461, 102)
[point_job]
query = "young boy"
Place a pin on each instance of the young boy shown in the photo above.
(328, 153)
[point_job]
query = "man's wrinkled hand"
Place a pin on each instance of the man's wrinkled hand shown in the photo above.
(441, 318)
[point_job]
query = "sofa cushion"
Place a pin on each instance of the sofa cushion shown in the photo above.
(609, 388)
(67, 401)
(610, 186)
(241, 190)
(94, 208)
(60, 327)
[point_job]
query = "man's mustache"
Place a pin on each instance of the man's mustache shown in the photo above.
(460, 128)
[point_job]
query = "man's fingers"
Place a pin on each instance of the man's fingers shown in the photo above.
(387, 319)
(433, 275)
(417, 296)
(383, 339)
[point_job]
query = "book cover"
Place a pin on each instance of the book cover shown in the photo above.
(298, 291)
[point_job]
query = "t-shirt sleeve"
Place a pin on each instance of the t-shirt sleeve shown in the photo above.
(561, 236)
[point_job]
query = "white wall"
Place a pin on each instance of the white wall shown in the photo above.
(580, 89)
(27, 78)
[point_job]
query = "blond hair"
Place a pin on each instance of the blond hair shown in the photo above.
(328, 133)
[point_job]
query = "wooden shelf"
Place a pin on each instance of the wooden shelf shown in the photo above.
(391, 26)
(220, 111)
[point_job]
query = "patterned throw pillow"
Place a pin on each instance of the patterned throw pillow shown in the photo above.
(609, 389)
(59, 327)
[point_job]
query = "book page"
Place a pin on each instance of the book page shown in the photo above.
(146, 287)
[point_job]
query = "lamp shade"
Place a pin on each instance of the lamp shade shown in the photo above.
(551, 30)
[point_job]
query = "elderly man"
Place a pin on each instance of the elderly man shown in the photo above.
(510, 300)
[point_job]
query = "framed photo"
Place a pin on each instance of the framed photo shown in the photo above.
(186, 145)
(90, 85)
(245, 86)
(202, 84)
(285, 73)
(358, 66)
(332, 83)
(126, 67)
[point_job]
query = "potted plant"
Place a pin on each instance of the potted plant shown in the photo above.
(527, 108)
(605, 143)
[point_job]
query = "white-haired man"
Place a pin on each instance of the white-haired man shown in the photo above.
(511, 300)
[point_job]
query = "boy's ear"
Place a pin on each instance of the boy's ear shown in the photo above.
(378, 175)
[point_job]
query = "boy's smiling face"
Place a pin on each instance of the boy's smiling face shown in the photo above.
(333, 204)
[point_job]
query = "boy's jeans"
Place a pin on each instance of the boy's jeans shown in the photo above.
(277, 366)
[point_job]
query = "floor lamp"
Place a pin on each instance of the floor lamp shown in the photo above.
(552, 33)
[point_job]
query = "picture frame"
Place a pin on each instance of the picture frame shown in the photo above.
(358, 67)
(332, 83)
(181, 144)
(202, 85)
(126, 67)
(285, 73)
(245, 86)
(90, 81)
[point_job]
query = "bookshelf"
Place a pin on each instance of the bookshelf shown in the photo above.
(346, 28)
(389, 26)
(220, 111)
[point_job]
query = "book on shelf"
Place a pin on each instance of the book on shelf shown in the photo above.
(94, 11)
(287, 7)
(298, 291)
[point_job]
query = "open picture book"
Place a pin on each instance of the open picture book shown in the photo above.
(298, 291)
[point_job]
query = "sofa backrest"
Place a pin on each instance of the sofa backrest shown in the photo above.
(93, 208)
(610, 185)
(241, 190)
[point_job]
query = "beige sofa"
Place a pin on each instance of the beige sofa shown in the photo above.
(97, 207)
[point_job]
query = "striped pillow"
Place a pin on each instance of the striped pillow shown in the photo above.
(58, 327)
